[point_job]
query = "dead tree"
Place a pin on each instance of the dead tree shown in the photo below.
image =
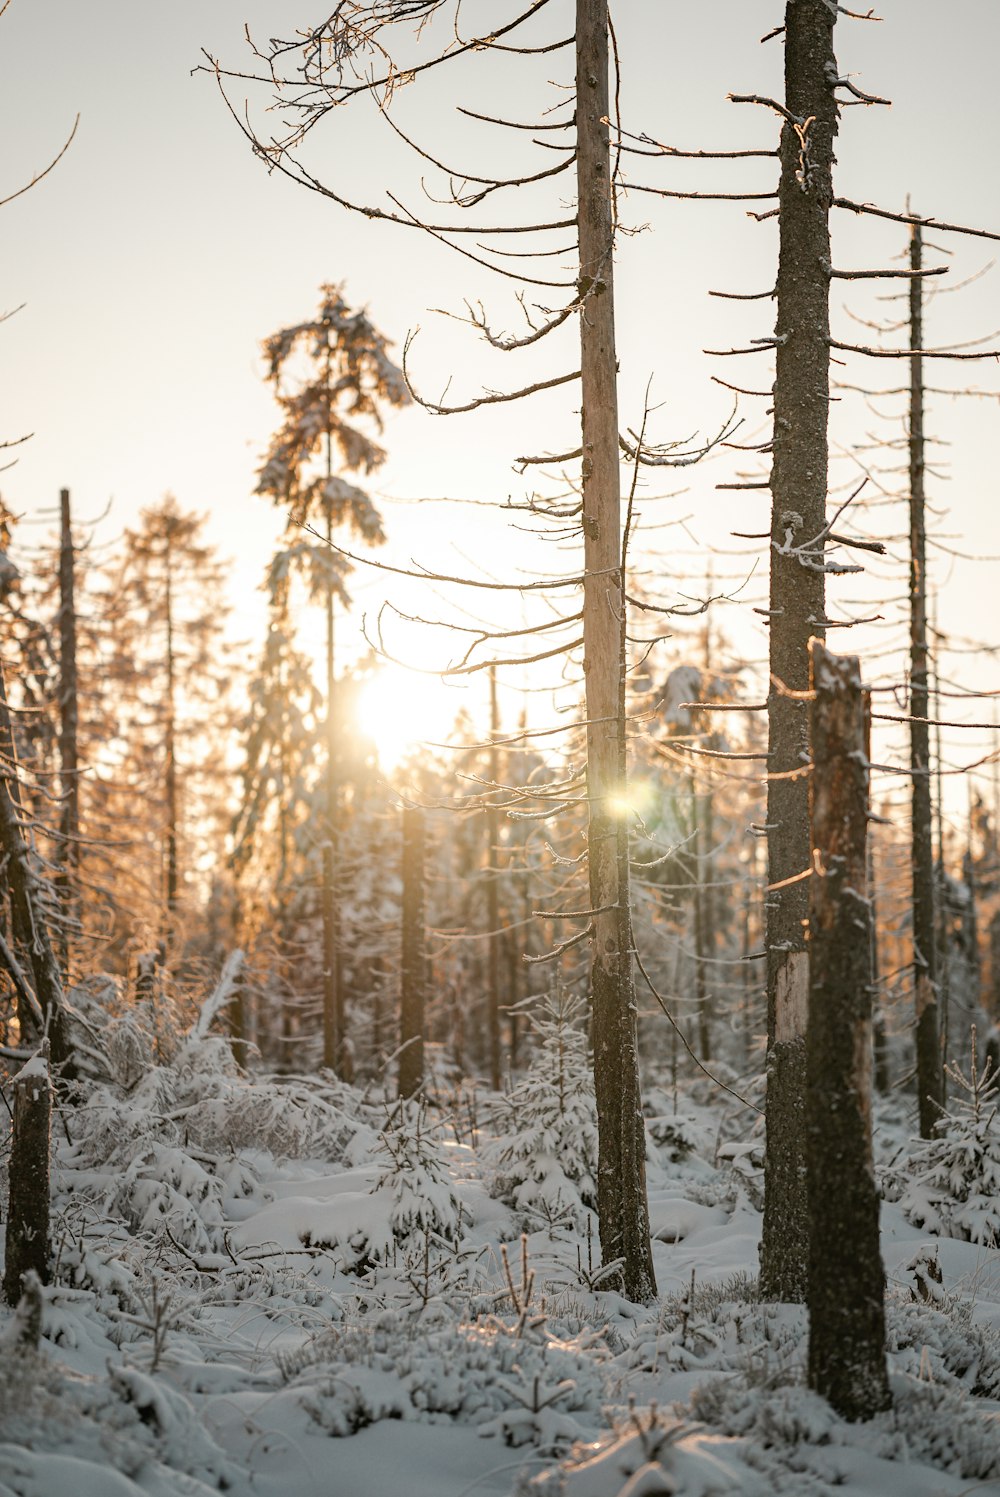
(28, 1213)
(413, 962)
(930, 1075)
(846, 1285)
(621, 1167)
(797, 607)
(800, 540)
(69, 767)
(351, 59)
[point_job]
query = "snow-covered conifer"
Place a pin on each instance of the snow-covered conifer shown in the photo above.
(546, 1160)
(954, 1186)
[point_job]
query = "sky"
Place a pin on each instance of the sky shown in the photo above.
(159, 253)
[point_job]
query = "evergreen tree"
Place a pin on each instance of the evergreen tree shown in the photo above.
(332, 377)
(168, 673)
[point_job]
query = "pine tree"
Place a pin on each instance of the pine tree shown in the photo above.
(332, 377)
(169, 675)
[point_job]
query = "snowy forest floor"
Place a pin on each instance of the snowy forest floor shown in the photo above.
(288, 1287)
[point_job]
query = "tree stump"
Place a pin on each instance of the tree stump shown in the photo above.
(846, 1287)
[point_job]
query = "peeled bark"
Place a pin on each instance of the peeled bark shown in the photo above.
(28, 1213)
(622, 1206)
(846, 1291)
(930, 1079)
(797, 611)
(413, 967)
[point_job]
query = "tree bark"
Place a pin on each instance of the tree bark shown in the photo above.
(69, 769)
(413, 966)
(797, 611)
(622, 1207)
(846, 1290)
(930, 1092)
(28, 1214)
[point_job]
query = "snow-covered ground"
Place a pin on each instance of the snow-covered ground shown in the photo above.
(286, 1287)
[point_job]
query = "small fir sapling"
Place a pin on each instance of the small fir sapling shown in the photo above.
(546, 1157)
(953, 1178)
(414, 1171)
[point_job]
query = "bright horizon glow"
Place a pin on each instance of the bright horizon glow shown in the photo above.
(400, 710)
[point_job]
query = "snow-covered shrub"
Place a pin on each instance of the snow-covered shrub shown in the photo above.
(950, 1184)
(545, 1160)
(793, 1433)
(127, 1422)
(944, 1340)
(523, 1388)
(651, 1454)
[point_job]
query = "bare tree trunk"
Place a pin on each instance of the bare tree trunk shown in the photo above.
(238, 1015)
(69, 771)
(171, 750)
(28, 1213)
(333, 1028)
(929, 1072)
(27, 912)
(883, 1078)
(846, 1290)
(413, 967)
(797, 611)
(493, 891)
(701, 994)
(622, 1206)
(970, 932)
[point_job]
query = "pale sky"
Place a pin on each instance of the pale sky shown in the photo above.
(159, 253)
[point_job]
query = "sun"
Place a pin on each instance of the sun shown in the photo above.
(399, 710)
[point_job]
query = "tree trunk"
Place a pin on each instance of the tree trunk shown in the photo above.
(171, 750)
(846, 1289)
(493, 891)
(69, 772)
(27, 912)
(925, 974)
(622, 1207)
(28, 1213)
(970, 936)
(413, 967)
(701, 994)
(883, 1078)
(797, 611)
(334, 1049)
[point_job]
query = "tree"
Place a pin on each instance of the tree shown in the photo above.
(168, 666)
(797, 607)
(930, 1077)
(347, 377)
(334, 69)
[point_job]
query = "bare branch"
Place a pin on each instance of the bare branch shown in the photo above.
(45, 171)
(491, 397)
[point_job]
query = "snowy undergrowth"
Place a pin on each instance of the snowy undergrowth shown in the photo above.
(248, 1267)
(950, 1184)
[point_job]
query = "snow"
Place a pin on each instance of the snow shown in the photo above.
(283, 1287)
